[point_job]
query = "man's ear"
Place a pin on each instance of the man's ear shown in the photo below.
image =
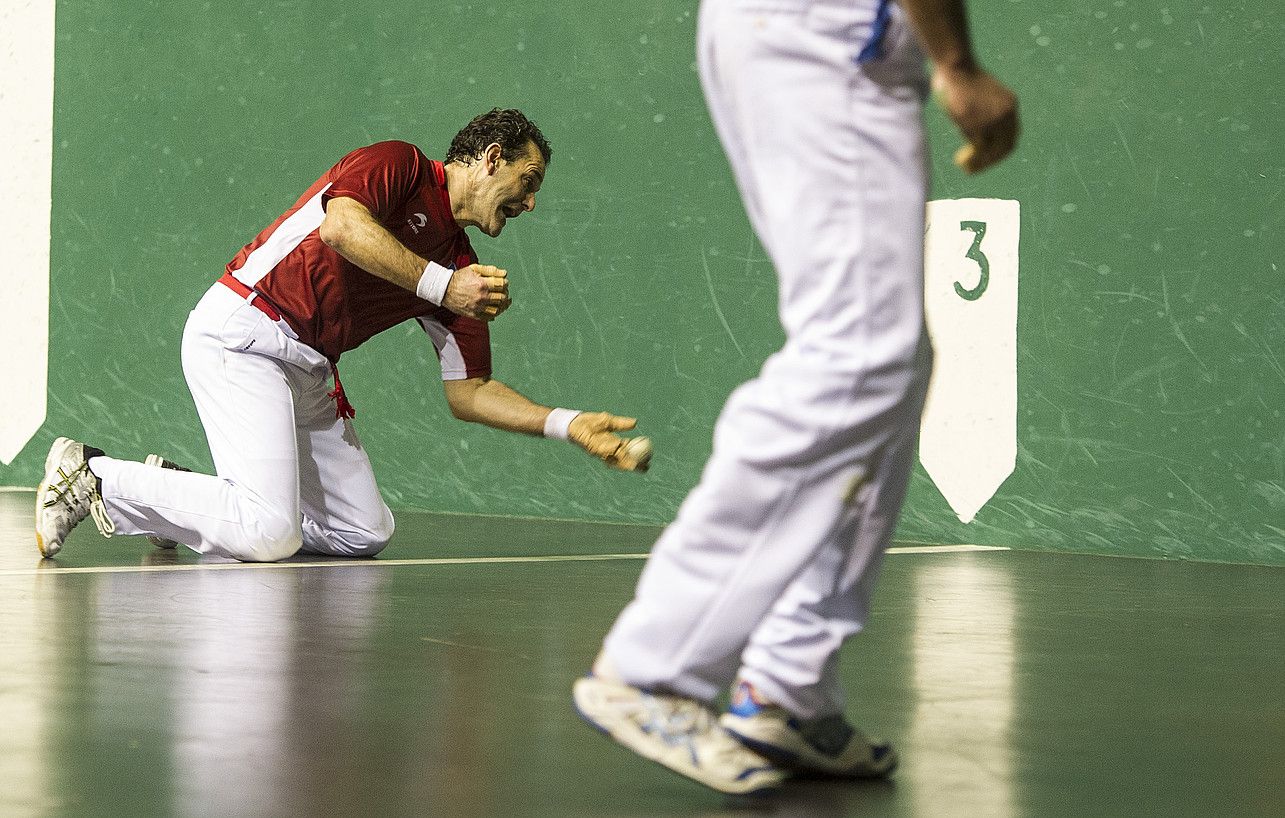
(491, 156)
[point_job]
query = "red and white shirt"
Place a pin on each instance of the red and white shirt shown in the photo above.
(334, 305)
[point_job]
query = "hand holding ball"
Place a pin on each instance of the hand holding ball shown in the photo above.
(635, 454)
(597, 434)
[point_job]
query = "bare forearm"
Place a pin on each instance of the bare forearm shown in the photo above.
(352, 232)
(982, 107)
(479, 291)
(942, 26)
(492, 403)
(489, 402)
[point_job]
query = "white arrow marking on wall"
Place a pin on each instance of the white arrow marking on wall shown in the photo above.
(968, 440)
(26, 145)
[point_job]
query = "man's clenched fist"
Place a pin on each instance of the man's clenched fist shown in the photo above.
(479, 291)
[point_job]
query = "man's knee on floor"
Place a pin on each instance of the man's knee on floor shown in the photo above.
(373, 539)
(269, 539)
(362, 539)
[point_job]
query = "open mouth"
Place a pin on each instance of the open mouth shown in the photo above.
(511, 211)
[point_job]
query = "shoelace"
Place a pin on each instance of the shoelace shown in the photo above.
(66, 491)
(672, 720)
(98, 511)
(679, 723)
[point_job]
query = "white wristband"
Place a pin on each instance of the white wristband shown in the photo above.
(557, 426)
(433, 283)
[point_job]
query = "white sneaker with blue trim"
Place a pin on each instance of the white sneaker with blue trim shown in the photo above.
(679, 733)
(826, 746)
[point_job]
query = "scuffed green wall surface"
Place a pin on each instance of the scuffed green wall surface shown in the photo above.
(1150, 178)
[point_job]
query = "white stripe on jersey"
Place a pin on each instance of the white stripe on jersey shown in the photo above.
(448, 349)
(288, 235)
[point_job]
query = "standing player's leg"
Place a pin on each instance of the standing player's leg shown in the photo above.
(788, 702)
(829, 159)
(790, 696)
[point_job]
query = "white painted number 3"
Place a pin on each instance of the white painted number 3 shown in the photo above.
(968, 439)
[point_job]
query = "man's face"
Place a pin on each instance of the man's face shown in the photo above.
(509, 189)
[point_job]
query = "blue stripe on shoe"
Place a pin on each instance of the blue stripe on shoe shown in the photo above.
(744, 709)
(751, 771)
(744, 703)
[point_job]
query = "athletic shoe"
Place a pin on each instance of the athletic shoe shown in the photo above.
(826, 746)
(68, 494)
(162, 463)
(679, 733)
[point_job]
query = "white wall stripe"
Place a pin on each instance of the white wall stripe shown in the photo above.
(26, 143)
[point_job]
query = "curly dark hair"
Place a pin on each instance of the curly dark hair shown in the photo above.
(507, 126)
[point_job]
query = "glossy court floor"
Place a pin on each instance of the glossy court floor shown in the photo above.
(434, 681)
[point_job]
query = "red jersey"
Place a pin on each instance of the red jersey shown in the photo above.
(334, 305)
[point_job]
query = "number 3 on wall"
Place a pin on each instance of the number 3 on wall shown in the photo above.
(968, 441)
(976, 254)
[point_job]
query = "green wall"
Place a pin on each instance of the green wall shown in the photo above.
(1150, 179)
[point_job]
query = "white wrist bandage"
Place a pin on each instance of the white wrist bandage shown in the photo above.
(557, 426)
(432, 284)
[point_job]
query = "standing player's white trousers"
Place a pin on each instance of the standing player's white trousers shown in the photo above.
(290, 474)
(770, 563)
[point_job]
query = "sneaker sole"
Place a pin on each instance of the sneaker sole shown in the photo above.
(46, 549)
(800, 763)
(642, 751)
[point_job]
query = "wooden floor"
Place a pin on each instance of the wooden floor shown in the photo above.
(435, 681)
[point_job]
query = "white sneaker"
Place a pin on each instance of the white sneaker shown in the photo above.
(680, 733)
(67, 495)
(161, 463)
(827, 746)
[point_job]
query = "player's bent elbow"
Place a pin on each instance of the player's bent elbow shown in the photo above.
(341, 220)
(332, 231)
(460, 398)
(462, 411)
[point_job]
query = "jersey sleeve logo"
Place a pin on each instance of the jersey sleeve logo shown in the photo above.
(417, 221)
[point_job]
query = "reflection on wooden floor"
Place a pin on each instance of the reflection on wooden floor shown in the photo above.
(435, 682)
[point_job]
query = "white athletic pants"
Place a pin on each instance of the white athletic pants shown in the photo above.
(770, 563)
(290, 474)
